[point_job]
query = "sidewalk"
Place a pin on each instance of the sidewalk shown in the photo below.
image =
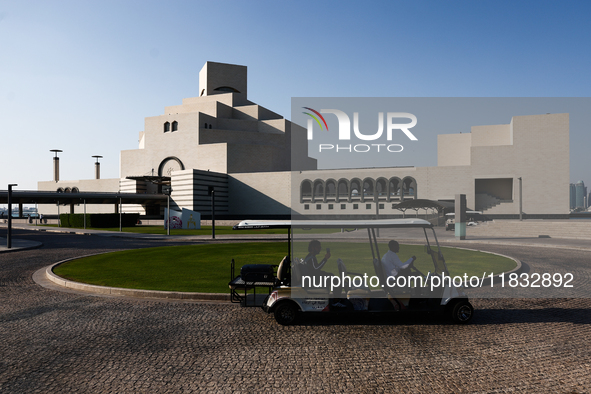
(18, 244)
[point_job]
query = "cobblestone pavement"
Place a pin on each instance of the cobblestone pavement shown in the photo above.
(61, 342)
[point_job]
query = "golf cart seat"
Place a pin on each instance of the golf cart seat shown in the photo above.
(390, 291)
(283, 274)
(361, 291)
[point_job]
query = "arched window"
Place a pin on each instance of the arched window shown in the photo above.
(210, 125)
(356, 189)
(409, 188)
(306, 190)
(60, 190)
(368, 189)
(394, 188)
(205, 125)
(75, 190)
(331, 189)
(343, 190)
(166, 127)
(67, 190)
(175, 125)
(381, 188)
(318, 190)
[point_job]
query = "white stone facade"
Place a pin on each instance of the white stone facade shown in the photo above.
(485, 164)
(222, 139)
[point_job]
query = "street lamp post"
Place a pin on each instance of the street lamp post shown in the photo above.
(9, 234)
(520, 199)
(211, 192)
(120, 213)
(168, 192)
(378, 215)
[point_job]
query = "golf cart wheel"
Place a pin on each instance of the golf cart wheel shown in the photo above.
(286, 313)
(462, 312)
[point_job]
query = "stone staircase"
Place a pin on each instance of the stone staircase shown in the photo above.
(484, 201)
(574, 229)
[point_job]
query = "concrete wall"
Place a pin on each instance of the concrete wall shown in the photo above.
(539, 154)
(259, 194)
(190, 190)
(85, 185)
(214, 75)
(453, 149)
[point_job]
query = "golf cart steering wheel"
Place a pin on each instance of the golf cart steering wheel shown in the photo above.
(415, 269)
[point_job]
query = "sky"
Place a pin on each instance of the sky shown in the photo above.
(81, 76)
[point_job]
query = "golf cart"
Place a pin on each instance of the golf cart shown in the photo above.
(474, 217)
(418, 289)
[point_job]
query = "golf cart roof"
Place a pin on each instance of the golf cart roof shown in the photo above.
(380, 223)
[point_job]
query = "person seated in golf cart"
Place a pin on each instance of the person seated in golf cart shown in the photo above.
(392, 263)
(311, 265)
(393, 266)
(313, 268)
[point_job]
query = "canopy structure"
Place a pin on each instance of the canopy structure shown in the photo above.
(442, 207)
(50, 197)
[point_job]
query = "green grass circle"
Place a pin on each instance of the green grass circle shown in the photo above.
(206, 268)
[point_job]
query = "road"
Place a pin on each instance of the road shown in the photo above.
(53, 341)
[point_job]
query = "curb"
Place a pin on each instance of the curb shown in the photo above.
(18, 249)
(119, 291)
(114, 234)
(487, 281)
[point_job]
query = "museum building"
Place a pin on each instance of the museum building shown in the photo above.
(220, 139)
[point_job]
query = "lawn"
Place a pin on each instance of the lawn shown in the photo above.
(206, 230)
(206, 268)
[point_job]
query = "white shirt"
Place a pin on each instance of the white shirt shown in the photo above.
(392, 264)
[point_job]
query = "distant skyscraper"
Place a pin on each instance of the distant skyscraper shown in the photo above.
(580, 193)
(573, 196)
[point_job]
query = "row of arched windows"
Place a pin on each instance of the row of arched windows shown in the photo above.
(174, 126)
(68, 190)
(356, 189)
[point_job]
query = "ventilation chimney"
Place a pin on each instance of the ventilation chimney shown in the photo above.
(97, 167)
(56, 165)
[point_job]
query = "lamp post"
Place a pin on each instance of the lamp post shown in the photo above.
(520, 198)
(168, 192)
(378, 215)
(9, 234)
(120, 212)
(211, 192)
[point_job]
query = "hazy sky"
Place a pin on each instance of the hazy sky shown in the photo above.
(81, 76)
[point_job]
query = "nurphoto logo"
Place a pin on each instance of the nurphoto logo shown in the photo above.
(344, 130)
